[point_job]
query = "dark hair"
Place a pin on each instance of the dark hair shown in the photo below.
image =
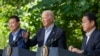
(14, 17)
(92, 17)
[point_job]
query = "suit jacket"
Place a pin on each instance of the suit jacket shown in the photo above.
(93, 46)
(19, 41)
(56, 38)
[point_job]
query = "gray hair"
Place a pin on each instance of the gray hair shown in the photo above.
(50, 12)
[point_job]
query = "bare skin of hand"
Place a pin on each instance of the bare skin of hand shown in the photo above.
(70, 48)
(25, 35)
(73, 49)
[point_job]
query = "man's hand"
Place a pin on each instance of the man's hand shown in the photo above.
(73, 49)
(25, 35)
(70, 48)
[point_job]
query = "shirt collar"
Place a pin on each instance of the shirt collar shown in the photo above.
(15, 33)
(90, 32)
(50, 27)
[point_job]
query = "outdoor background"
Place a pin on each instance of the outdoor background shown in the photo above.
(68, 14)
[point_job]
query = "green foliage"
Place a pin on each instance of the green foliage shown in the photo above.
(68, 14)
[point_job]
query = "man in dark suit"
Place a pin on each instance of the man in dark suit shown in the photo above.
(91, 38)
(49, 35)
(16, 35)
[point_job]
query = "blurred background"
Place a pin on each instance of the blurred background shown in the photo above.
(68, 14)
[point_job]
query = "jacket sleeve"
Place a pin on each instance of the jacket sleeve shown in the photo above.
(33, 41)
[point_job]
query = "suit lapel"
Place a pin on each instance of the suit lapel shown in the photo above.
(42, 35)
(53, 32)
(11, 38)
(84, 42)
(91, 38)
(19, 34)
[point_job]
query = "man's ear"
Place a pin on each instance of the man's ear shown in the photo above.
(19, 23)
(92, 22)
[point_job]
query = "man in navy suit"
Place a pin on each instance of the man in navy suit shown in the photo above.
(91, 38)
(49, 35)
(16, 35)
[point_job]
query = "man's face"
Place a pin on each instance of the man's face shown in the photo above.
(47, 19)
(86, 24)
(13, 24)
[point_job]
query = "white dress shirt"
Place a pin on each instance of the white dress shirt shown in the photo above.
(15, 34)
(88, 34)
(47, 32)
